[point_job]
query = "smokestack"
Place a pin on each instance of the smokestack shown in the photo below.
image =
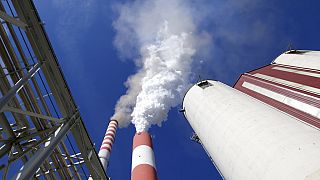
(106, 146)
(143, 162)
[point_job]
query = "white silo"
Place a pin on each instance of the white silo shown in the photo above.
(248, 139)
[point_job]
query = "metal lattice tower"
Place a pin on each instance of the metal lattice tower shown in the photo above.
(41, 130)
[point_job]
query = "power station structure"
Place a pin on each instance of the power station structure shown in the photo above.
(42, 134)
(267, 126)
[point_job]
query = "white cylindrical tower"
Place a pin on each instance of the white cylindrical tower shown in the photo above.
(143, 163)
(250, 140)
(105, 149)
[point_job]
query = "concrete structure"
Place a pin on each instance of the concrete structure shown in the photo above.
(107, 143)
(143, 162)
(249, 139)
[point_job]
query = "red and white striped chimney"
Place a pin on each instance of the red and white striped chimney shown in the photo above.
(143, 162)
(105, 149)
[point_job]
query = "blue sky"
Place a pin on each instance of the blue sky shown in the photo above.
(246, 35)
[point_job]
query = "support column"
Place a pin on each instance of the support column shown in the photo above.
(30, 168)
(12, 92)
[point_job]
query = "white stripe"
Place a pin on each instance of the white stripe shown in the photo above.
(314, 111)
(106, 145)
(111, 127)
(295, 92)
(107, 140)
(110, 132)
(104, 156)
(297, 71)
(113, 123)
(108, 136)
(142, 155)
(288, 83)
(103, 153)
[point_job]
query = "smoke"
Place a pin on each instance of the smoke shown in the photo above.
(163, 39)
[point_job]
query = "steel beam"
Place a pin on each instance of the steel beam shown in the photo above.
(42, 49)
(37, 133)
(12, 92)
(13, 20)
(10, 135)
(35, 146)
(5, 148)
(28, 113)
(68, 166)
(30, 168)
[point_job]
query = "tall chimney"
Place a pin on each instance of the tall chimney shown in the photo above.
(143, 162)
(105, 149)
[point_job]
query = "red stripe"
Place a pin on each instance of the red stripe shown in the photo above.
(316, 71)
(107, 143)
(104, 140)
(309, 119)
(286, 91)
(111, 130)
(105, 148)
(144, 171)
(109, 134)
(112, 127)
(113, 121)
(289, 76)
(142, 138)
(113, 124)
(109, 138)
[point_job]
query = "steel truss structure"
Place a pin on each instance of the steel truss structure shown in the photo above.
(42, 134)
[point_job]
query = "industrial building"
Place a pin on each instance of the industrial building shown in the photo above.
(265, 127)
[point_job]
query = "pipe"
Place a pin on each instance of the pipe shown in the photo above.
(106, 146)
(143, 162)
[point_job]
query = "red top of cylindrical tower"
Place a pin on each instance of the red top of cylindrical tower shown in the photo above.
(142, 138)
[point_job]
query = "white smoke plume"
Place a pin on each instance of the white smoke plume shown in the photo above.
(164, 37)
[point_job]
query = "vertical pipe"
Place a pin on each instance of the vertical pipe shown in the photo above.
(108, 140)
(143, 162)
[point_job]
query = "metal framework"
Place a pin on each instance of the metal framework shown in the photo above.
(41, 130)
